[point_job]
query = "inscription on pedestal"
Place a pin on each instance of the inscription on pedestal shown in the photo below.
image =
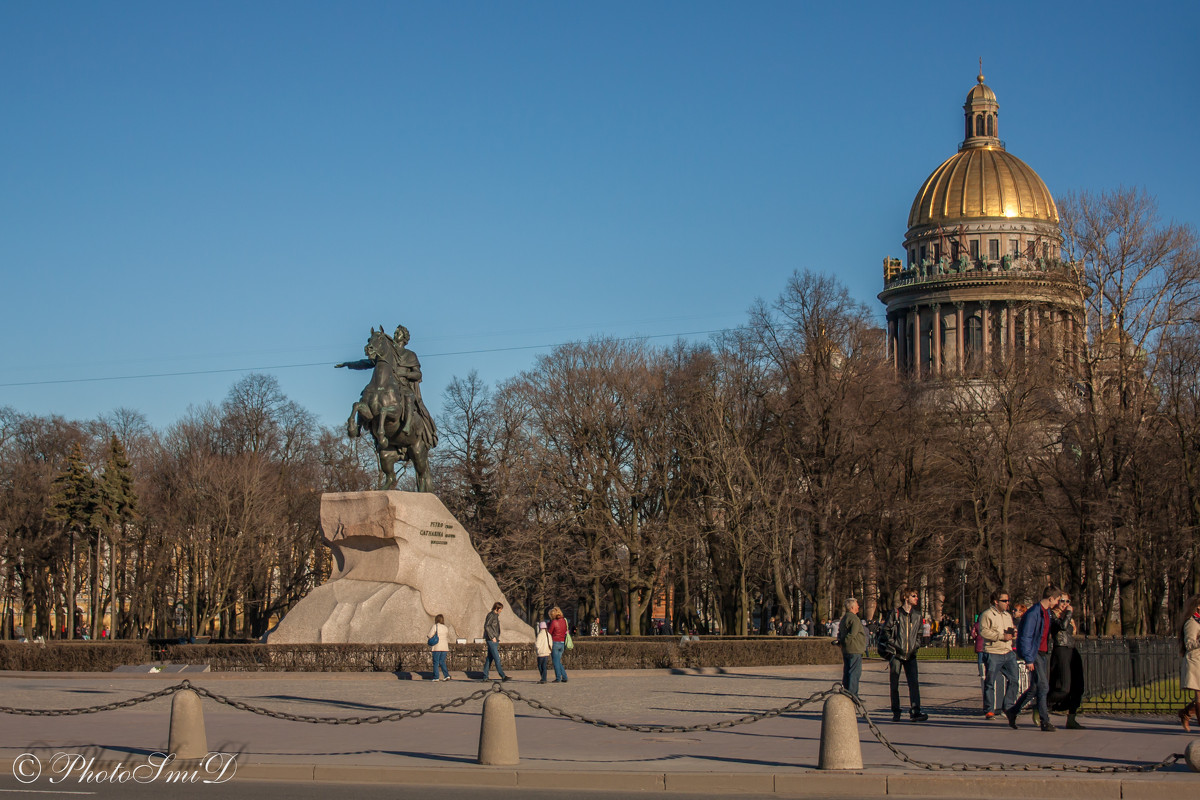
(438, 532)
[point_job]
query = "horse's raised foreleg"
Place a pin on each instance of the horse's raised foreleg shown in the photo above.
(383, 420)
(359, 413)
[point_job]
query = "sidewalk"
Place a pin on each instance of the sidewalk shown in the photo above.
(772, 755)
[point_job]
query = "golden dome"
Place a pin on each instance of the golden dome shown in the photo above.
(981, 92)
(982, 182)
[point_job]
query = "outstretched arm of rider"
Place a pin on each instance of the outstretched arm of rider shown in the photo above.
(362, 363)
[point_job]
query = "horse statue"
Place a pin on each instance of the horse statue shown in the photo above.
(390, 408)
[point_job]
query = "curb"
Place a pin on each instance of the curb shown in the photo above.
(1066, 786)
(1063, 786)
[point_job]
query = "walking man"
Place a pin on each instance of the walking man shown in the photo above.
(491, 635)
(1033, 647)
(852, 638)
(997, 630)
(899, 641)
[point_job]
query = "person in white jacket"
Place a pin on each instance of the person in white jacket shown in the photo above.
(441, 648)
(998, 630)
(543, 645)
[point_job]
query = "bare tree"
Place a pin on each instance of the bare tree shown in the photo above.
(1140, 279)
(828, 356)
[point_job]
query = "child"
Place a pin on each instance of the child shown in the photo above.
(542, 645)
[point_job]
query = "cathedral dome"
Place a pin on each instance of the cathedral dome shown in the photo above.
(982, 284)
(981, 182)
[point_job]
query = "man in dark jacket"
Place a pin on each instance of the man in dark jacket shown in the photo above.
(1033, 647)
(852, 638)
(491, 635)
(899, 640)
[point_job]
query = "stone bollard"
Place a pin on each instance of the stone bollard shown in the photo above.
(1191, 754)
(187, 738)
(498, 732)
(840, 748)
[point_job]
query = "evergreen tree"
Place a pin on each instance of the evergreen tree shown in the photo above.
(75, 502)
(118, 507)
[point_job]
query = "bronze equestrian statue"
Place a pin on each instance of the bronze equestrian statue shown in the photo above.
(391, 409)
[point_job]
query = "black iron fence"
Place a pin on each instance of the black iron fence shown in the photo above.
(1120, 674)
(1139, 674)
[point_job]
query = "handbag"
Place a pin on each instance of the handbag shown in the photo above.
(570, 644)
(432, 640)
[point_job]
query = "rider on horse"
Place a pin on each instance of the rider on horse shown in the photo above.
(391, 408)
(407, 369)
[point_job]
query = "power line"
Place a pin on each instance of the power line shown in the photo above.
(326, 363)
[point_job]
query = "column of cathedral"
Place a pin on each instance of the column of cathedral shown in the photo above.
(936, 329)
(960, 339)
(985, 318)
(1010, 331)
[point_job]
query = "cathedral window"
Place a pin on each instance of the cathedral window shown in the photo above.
(994, 249)
(909, 341)
(973, 341)
(974, 249)
(991, 131)
(979, 125)
(1014, 247)
(927, 356)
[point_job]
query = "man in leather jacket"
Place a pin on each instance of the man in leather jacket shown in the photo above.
(491, 635)
(899, 641)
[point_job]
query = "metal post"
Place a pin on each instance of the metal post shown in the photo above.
(962, 601)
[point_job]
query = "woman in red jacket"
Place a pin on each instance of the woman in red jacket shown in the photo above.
(558, 635)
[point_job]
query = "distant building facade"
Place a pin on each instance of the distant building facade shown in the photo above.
(982, 283)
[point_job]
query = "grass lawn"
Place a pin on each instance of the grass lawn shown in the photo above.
(1160, 696)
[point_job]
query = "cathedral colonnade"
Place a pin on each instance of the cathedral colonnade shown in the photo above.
(931, 339)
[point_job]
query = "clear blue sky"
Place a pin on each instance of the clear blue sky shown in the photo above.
(192, 187)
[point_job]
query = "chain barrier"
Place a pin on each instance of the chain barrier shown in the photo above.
(792, 707)
(242, 706)
(374, 719)
(74, 712)
(962, 766)
(796, 705)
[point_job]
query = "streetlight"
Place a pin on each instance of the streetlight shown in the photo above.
(962, 600)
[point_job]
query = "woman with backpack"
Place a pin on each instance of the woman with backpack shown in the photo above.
(439, 645)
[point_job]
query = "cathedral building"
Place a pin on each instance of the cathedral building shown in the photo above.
(982, 283)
